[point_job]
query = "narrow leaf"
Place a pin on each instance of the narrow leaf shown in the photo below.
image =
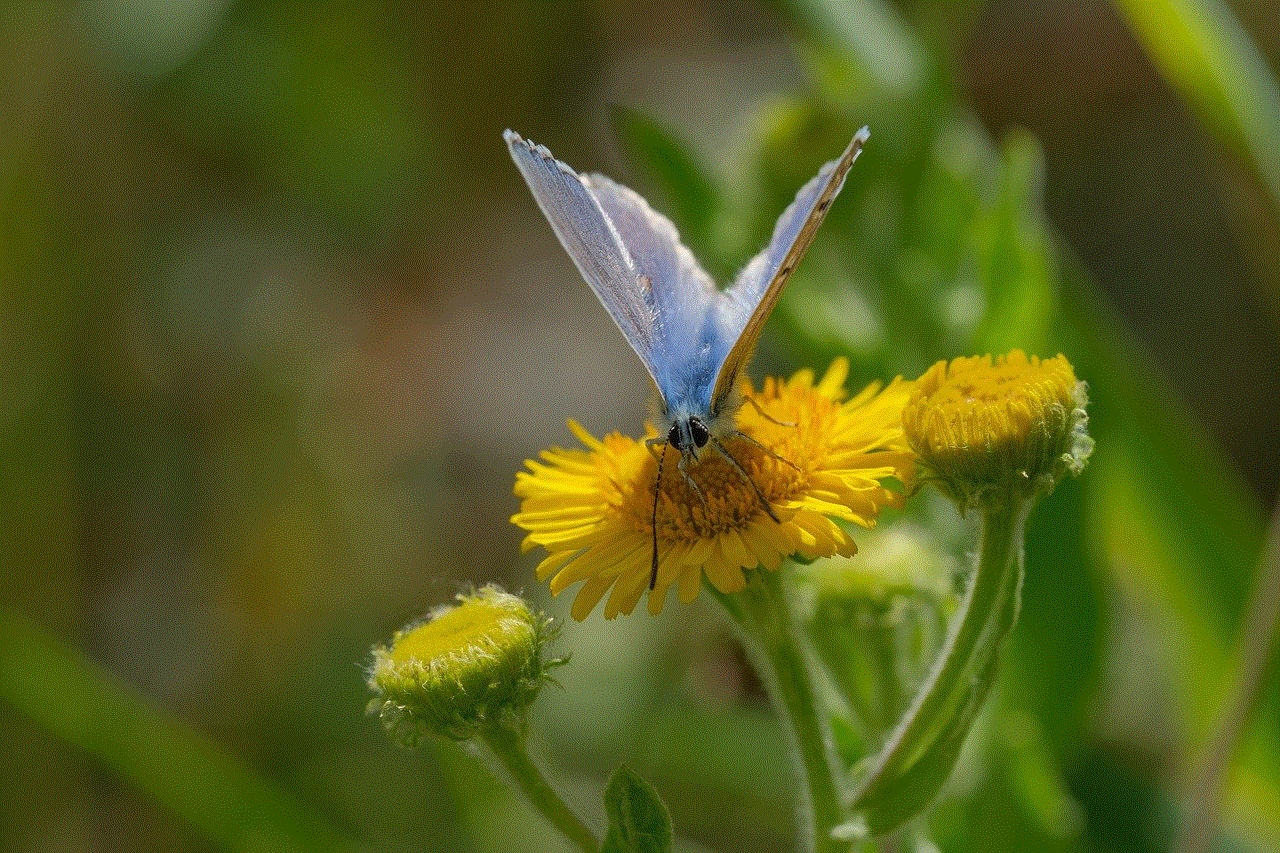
(169, 762)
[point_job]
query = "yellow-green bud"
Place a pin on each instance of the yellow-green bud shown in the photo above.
(464, 669)
(989, 431)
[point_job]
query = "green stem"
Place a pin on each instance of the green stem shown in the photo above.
(508, 746)
(987, 614)
(884, 662)
(764, 624)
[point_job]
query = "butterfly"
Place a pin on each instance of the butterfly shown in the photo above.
(693, 338)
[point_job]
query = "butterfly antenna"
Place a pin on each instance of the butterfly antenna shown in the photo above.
(653, 522)
(764, 502)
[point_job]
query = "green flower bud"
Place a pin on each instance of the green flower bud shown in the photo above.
(877, 619)
(464, 670)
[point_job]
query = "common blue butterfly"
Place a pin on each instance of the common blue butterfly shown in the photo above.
(693, 338)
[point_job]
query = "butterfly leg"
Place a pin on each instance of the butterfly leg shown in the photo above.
(762, 413)
(691, 484)
(767, 451)
(764, 502)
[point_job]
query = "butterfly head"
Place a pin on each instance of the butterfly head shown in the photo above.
(688, 435)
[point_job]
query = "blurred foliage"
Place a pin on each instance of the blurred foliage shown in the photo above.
(279, 324)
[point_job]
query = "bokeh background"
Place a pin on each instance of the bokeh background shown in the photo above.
(280, 322)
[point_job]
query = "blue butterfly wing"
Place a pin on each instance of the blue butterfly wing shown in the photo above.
(747, 304)
(595, 245)
(681, 295)
(693, 339)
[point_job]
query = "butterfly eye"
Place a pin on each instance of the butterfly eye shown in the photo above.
(701, 435)
(673, 435)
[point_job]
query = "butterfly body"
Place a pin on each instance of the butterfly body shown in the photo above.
(693, 338)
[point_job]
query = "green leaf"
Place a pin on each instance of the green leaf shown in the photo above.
(1178, 524)
(638, 819)
(1208, 56)
(865, 36)
(1205, 53)
(172, 764)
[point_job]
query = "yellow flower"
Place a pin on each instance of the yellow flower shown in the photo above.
(989, 430)
(592, 510)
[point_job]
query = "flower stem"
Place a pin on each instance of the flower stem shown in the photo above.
(950, 696)
(508, 746)
(764, 625)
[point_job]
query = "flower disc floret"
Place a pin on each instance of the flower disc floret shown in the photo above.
(817, 457)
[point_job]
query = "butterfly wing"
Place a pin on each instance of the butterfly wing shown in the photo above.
(760, 283)
(681, 295)
(594, 244)
(634, 261)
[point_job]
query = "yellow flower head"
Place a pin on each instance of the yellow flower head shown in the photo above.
(592, 510)
(991, 429)
(467, 667)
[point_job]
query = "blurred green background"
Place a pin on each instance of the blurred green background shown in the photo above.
(280, 322)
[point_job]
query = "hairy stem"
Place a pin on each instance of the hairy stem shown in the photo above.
(958, 679)
(509, 748)
(764, 624)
